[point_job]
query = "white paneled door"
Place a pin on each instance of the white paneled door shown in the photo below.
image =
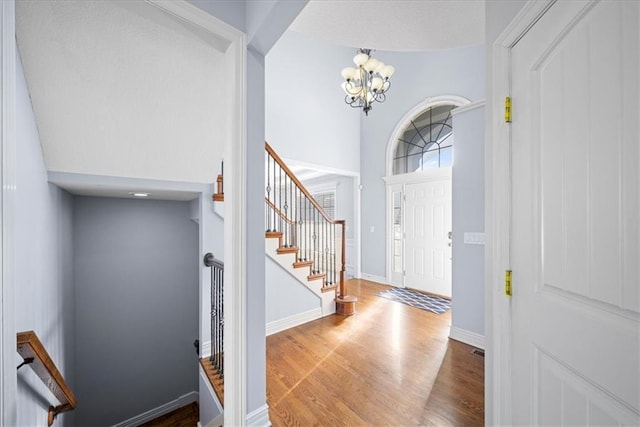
(575, 202)
(427, 238)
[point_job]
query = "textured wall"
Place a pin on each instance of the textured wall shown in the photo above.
(43, 264)
(136, 274)
(123, 89)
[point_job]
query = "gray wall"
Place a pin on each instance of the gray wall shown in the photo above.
(306, 116)
(44, 293)
(285, 295)
(136, 274)
(498, 14)
(467, 274)
(418, 76)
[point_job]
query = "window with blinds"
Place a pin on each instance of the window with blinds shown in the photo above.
(327, 199)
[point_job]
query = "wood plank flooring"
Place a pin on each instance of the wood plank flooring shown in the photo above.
(187, 416)
(390, 364)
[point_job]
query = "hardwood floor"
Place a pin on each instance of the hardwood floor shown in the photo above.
(390, 364)
(187, 416)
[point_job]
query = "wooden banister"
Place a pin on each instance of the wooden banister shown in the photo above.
(322, 252)
(301, 187)
(34, 353)
(279, 212)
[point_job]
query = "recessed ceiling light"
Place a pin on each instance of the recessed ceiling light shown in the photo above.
(137, 194)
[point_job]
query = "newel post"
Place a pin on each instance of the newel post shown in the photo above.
(345, 304)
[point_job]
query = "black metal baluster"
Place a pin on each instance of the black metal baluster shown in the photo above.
(221, 321)
(333, 241)
(280, 197)
(213, 317)
(267, 216)
(324, 251)
(274, 196)
(314, 252)
(292, 217)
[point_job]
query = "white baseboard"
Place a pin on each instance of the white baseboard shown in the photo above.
(259, 417)
(292, 321)
(217, 421)
(374, 278)
(181, 401)
(467, 337)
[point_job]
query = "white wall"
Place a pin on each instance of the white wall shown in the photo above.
(468, 217)
(136, 274)
(418, 76)
(285, 295)
(44, 298)
(123, 89)
(306, 116)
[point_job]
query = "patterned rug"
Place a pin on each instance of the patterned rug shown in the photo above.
(417, 299)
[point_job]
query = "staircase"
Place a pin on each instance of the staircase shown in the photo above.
(302, 237)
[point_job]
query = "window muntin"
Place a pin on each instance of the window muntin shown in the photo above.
(426, 142)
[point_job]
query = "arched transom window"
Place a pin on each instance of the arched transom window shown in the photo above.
(426, 142)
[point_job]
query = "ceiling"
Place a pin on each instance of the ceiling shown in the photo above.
(400, 25)
(123, 89)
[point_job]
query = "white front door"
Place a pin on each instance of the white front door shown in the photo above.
(575, 201)
(427, 241)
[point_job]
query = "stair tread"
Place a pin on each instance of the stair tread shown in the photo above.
(316, 276)
(289, 250)
(329, 287)
(300, 264)
(273, 234)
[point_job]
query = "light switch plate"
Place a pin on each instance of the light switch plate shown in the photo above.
(474, 238)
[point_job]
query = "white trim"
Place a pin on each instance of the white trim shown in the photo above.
(427, 175)
(234, 45)
(467, 337)
(469, 107)
(393, 181)
(217, 421)
(259, 417)
(151, 414)
(433, 101)
(223, 34)
(293, 321)
(205, 349)
(375, 278)
(497, 227)
(7, 180)
(235, 227)
(319, 168)
(390, 178)
(212, 393)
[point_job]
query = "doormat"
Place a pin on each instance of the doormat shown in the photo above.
(417, 299)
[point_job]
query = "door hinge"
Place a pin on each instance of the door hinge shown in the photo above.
(507, 109)
(507, 283)
(404, 272)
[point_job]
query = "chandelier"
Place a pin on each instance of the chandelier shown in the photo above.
(368, 83)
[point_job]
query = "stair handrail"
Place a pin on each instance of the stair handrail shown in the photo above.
(35, 354)
(301, 187)
(342, 291)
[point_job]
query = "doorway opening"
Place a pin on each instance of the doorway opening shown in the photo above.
(420, 156)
